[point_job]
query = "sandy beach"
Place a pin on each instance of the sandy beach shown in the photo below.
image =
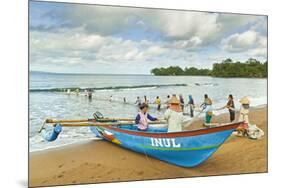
(101, 161)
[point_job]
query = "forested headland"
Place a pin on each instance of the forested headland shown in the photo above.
(252, 68)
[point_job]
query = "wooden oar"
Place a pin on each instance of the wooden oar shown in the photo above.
(105, 124)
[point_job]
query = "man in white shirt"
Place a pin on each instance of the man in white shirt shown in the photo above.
(174, 115)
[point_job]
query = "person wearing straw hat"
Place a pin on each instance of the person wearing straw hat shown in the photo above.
(174, 115)
(244, 116)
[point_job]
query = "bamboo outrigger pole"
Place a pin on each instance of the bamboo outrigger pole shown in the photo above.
(103, 120)
(57, 127)
(67, 120)
(83, 124)
(94, 122)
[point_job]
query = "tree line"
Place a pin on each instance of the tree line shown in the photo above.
(252, 68)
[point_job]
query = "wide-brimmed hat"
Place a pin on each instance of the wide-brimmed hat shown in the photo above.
(244, 100)
(174, 100)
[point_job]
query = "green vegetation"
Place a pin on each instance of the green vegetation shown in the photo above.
(176, 70)
(252, 68)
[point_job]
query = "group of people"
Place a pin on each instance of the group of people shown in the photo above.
(173, 115)
(174, 112)
(158, 102)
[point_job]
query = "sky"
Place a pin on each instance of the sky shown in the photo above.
(77, 38)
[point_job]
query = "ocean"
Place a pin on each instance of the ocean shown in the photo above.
(47, 98)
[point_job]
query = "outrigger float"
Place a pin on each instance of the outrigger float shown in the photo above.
(186, 148)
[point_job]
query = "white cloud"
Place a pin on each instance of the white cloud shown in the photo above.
(155, 50)
(171, 24)
(185, 25)
(99, 37)
(72, 47)
(249, 41)
(240, 41)
(192, 43)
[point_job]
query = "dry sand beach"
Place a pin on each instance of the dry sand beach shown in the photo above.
(101, 161)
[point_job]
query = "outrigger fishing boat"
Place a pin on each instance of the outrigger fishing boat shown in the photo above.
(186, 148)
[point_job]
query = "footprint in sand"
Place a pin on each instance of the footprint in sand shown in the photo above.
(98, 165)
(61, 165)
(73, 181)
(109, 172)
(140, 172)
(132, 172)
(60, 176)
(44, 181)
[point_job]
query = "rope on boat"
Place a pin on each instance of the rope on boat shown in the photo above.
(150, 161)
(192, 120)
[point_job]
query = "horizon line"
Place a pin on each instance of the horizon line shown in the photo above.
(47, 72)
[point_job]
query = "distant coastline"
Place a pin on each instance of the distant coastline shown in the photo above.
(74, 73)
(252, 68)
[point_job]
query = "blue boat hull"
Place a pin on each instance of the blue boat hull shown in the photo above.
(186, 149)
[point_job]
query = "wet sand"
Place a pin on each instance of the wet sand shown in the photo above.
(101, 161)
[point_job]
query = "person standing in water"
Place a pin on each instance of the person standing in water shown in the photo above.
(158, 102)
(89, 94)
(207, 108)
(191, 105)
(77, 91)
(145, 99)
(138, 101)
(181, 102)
(167, 102)
(124, 100)
(174, 115)
(143, 117)
(68, 91)
(231, 107)
(86, 92)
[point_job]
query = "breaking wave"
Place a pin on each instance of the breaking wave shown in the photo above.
(107, 88)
